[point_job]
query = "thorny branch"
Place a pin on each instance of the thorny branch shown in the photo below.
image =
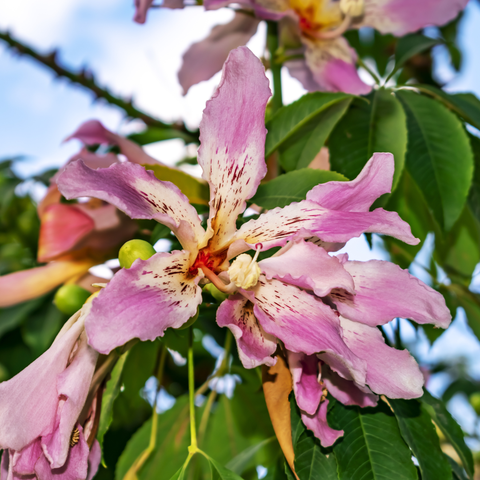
(86, 79)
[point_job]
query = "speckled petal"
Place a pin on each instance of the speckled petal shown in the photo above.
(383, 291)
(308, 266)
(205, 58)
(255, 347)
(405, 16)
(306, 219)
(144, 300)
(138, 193)
(374, 180)
(390, 372)
(301, 321)
(232, 136)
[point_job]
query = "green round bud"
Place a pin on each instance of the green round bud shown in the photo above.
(215, 292)
(70, 298)
(190, 321)
(475, 402)
(134, 249)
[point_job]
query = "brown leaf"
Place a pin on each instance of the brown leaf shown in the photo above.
(277, 385)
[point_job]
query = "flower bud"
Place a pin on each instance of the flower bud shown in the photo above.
(244, 272)
(70, 298)
(475, 402)
(215, 292)
(134, 249)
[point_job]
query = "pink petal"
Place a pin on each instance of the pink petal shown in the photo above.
(308, 390)
(255, 347)
(383, 291)
(93, 132)
(301, 321)
(332, 63)
(318, 424)
(27, 284)
(25, 460)
(305, 219)
(405, 16)
(75, 468)
(233, 140)
(29, 400)
(390, 372)
(205, 58)
(94, 459)
(138, 193)
(346, 391)
(72, 386)
(374, 180)
(307, 266)
(62, 227)
(141, 9)
(144, 300)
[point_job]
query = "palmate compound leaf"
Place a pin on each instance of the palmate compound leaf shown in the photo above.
(300, 129)
(377, 126)
(372, 446)
(419, 433)
(450, 428)
(439, 156)
(292, 187)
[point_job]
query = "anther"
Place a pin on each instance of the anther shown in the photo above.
(352, 8)
(244, 271)
(75, 437)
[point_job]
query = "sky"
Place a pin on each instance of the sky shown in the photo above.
(38, 111)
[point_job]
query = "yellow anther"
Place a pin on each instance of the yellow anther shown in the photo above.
(244, 272)
(352, 8)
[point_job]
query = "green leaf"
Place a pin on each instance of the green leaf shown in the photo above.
(299, 119)
(467, 105)
(372, 446)
(450, 428)
(109, 396)
(239, 463)
(292, 187)
(458, 471)
(195, 189)
(12, 317)
(311, 463)
(439, 156)
(171, 445)
(409, 46)
(377, 126)
(419, 432)
(299, 150)
(474, 195)
(220, 472)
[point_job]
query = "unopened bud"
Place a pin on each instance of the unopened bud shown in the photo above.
(353, 8)
(475, 402)
(134, 249)
(244, 272)
(70, 298)
(215, 292)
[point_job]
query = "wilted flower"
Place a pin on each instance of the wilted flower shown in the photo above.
(47, 419)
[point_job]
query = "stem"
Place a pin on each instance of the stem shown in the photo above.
(275, 67)
(86, 79)
(202, 429)
(140, 461)
(369, 70)
(191, 392)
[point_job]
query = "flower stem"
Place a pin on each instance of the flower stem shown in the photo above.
(275, 67)
(191, 392)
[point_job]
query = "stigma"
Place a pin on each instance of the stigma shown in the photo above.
(244, 272)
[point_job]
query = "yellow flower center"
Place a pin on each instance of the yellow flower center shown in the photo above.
(244, 272)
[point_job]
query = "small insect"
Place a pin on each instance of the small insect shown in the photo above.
(75, 437)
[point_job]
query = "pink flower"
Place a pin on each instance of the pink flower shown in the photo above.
(75, 237)
(164, 291)
(46, 428)
(314, 28)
